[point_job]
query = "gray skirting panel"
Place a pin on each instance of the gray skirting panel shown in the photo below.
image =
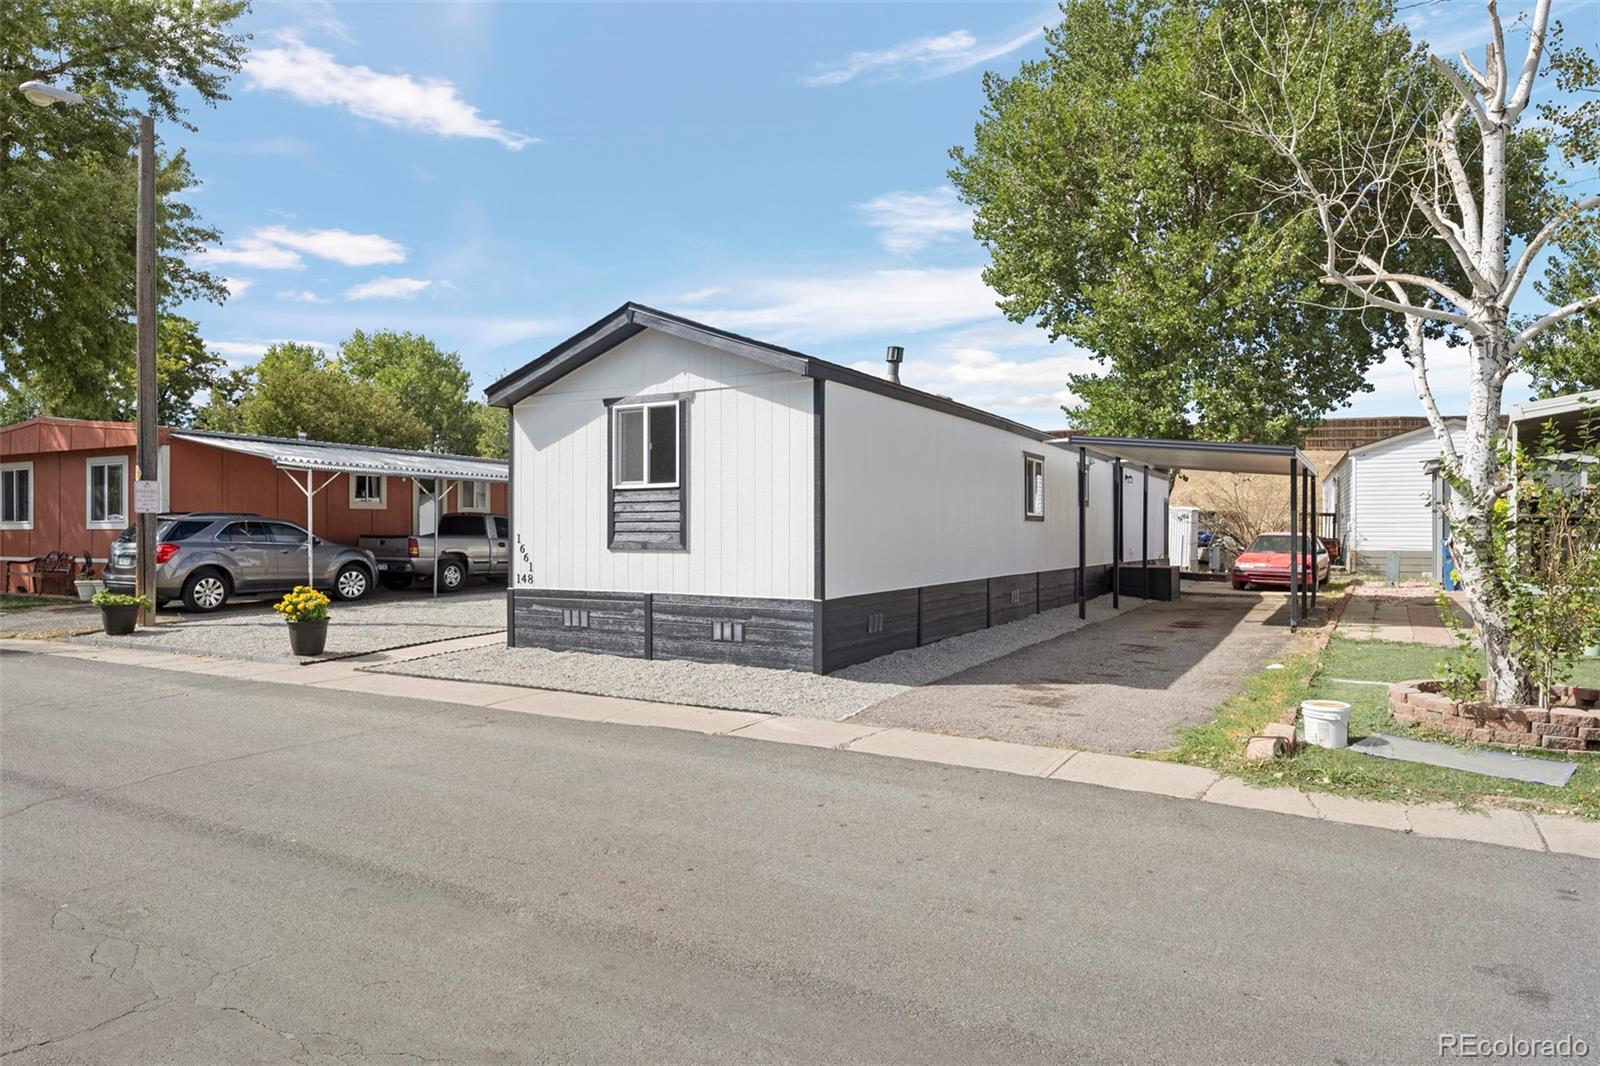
(790, 634)
(1163, 580)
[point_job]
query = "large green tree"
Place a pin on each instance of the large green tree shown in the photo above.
(432, 383)
(297, 388)
(68, 180)
(1123, 210)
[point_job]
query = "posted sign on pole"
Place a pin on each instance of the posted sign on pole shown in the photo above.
(147, 497)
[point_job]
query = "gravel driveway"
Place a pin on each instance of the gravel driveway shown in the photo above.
(750, 688)
(381, 621)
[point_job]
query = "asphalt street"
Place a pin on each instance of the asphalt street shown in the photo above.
(203, 870)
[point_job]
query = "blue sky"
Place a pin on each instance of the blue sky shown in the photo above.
(497, 176)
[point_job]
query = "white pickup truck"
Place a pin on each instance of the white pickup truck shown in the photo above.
(470, 545)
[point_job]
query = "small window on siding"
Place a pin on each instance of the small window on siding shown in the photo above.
(368, 491)
(644, 442)
(1033, 487)
(16, 496)
(474, 495)
(106, 505)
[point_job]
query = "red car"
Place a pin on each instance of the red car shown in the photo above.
(1266, 561)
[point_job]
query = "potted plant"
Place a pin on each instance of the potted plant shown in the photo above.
(119, 612)
(306, 611)
(88, 581)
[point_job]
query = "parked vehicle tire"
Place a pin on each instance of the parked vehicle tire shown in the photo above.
(351, 582)
(452, 574)
(1240, 586)
(396, 582)
(206, 590)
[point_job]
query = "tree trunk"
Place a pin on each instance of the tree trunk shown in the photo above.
(1471, 516)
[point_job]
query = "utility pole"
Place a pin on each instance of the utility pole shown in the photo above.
(147, 461)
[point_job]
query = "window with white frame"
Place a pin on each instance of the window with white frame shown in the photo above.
(106, 505)
(1033, 487)
(474, 495)
(16, 496)
(644, 445)
(369, 491)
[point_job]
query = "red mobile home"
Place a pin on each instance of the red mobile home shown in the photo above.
(67, 484)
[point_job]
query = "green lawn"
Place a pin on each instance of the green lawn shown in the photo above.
(1219, 744)
(18, 601)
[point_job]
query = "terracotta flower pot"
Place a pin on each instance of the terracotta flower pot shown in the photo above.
(117, 620)
(308, 638)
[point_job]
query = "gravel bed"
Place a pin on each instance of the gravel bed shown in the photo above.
(751, 688)
(51, 619)
(384, 621)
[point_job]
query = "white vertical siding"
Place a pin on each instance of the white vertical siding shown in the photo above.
(749, 473)
(1100, 514)
(1389, 490)
(918, 497)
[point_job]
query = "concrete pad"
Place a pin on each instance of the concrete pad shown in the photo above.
(812, 732)
(1570, 836)
(1512, 829)
(1375, 813)
(673, 716)
(1137, 775)
(242, 668)
(962, 751)
(554, 704)
(1236, 793)
(308, 675)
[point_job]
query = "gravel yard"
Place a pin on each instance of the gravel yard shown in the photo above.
(49, 620)
(748, 688)
(382, 621)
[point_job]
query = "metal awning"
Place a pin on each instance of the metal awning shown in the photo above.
(1198, 454)
(352, 458)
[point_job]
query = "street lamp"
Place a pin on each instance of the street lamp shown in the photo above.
(43, 94)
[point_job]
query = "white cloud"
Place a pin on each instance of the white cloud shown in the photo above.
(279, 248)
(910, 221)
(320, 17)
(338, 245)
(386, 289)
(1393, 392)
(237, 286)
(878, 303)
(302, 296)
(700, 295)
(240, 352)
(429, 105)
(923, 57)
(249, 251)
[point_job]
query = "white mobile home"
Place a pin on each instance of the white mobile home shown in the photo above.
(682, 492)
(1383, 495)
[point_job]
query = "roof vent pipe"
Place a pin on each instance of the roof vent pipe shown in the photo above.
(893, 357)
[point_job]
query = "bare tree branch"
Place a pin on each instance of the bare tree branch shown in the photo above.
(1464, 90)
(1525, 261)
(1538, 327)
(1530, 66)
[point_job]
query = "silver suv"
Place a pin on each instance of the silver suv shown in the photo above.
(204, 559)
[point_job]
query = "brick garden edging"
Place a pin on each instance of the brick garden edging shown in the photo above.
(1571, 724)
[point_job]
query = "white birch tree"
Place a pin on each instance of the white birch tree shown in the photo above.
(1433, 177)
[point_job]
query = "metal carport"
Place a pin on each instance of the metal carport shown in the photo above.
(311, 457)
(1235, 458)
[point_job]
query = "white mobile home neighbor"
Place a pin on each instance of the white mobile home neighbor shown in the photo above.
(678, 491)
(1383, 495)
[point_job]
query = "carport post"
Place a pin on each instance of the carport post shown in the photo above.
(1116, 533)
(1083, 532)
(1316, 533)
(1294, 542)
(311, 540)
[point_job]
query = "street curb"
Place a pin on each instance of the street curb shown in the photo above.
(1178, 781)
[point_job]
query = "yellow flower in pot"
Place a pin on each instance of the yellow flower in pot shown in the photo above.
(306, 611)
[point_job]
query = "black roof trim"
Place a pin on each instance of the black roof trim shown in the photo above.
(632, 318)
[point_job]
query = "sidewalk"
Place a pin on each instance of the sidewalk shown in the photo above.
(1397, 614)
(1504, 827)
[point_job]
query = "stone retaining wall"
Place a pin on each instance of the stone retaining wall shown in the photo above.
(1571, 724)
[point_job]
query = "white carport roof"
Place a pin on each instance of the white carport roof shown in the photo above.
(1198, 454)
(351, 458)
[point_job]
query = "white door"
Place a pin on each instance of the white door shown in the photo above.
(423, 504)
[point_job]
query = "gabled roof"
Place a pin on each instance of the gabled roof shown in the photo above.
(1454, 422)
(631, 319)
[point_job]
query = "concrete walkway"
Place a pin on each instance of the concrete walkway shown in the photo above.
(1403, 615)
(1508, 828)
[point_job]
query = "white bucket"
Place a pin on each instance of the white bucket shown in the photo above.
(1327, 723)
